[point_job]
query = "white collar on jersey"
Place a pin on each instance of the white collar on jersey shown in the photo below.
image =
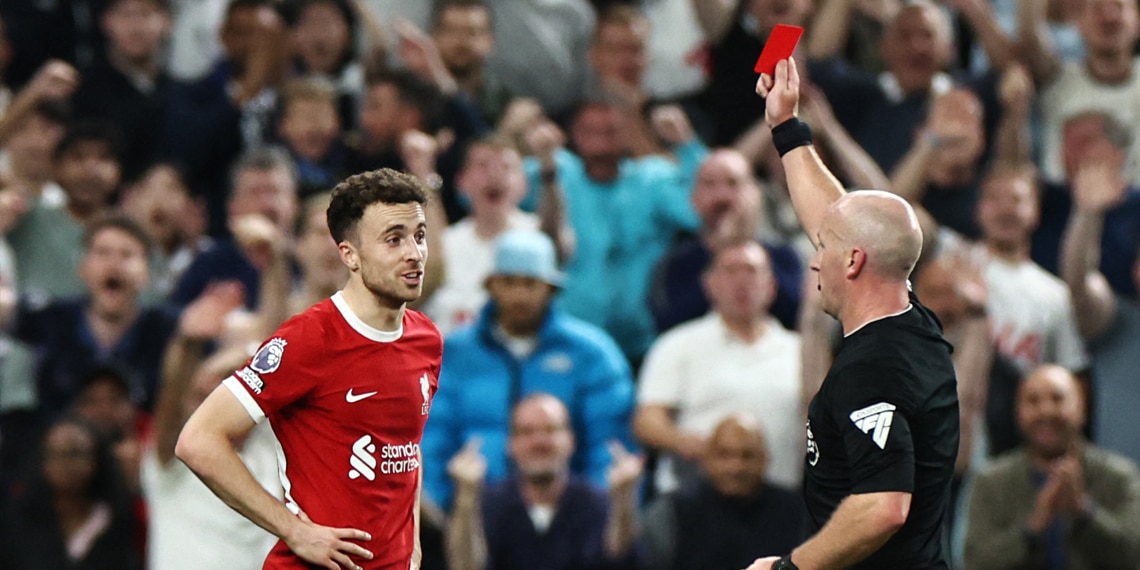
(367, 331)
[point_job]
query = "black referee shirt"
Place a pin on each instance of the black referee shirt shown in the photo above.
(886, 419)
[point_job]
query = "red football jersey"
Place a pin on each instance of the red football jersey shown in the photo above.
(348, 404)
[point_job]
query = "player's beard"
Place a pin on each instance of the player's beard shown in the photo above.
(390, 290)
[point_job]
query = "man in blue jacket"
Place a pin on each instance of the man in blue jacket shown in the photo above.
(523, 343)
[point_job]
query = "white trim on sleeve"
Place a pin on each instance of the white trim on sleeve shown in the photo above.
(247, 401)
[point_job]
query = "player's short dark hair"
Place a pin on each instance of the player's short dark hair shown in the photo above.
(352, 196)
(120, 222)
(412, 90)
(442, 6)
(91, 130)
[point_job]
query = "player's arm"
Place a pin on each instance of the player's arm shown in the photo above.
(861, 525)
(205, 446)
(812, 186)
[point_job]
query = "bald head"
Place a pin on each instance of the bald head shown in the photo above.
(1050, 411)
(736, 458)
(881, 224)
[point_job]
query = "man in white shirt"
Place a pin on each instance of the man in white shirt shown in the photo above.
(737, 358)
(492, 179)
(1031, 313)
(1107, 80)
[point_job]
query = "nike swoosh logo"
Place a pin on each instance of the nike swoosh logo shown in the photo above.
(351, 398)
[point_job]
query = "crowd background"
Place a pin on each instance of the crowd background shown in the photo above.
(615, 266)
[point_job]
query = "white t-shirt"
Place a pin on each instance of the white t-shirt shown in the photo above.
(1031, 316)
(1074, 92)
(190, 528)
(194, 43)
(675, 42)
(470, 259)
(707, 373)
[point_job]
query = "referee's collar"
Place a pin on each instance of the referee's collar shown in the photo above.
(909, 306)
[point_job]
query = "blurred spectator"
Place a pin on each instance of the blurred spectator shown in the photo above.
(729, 204)
(617, 63)
(493, 181)
(1094, 142)
(522, 343)
(107, 326)
(917, 48)
(1109, 322)
(26, 171)
(462, 32)
(733, 515)
(737, 358)
(399, 104)
(325, 42)
(210, 121)
(43, 31)
(104, 400)
(310, 129)
(160, 202)
(952, 284)
(128, 84)
(943, 170)
(625, 213)
(854, 28)
(1106, 80)
(1030, 310)
(736, 31)
(542, 50)
(51, 86)
(322, 271)
(543, 516)
(73, 510)
(189, 527)
(1058, 502)
(263, 201)
(48, 238)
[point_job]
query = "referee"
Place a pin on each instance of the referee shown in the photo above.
(882, 431)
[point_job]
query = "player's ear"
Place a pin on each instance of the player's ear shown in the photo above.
(349, 255)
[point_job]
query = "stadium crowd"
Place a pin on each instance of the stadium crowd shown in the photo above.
(632, 330)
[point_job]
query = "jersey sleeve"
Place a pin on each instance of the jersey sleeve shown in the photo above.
(284, 370)
(876, 434)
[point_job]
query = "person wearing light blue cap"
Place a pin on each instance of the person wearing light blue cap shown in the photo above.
(522, 343)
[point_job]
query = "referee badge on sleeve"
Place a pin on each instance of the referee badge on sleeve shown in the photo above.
(876, 417)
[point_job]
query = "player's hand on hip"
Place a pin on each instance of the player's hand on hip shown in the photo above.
(763, 563)
(781, 93)
(327, 547)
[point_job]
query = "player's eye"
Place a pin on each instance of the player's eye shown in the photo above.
(394, 240)
(421, 236)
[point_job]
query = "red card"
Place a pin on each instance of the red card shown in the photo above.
(780, 45)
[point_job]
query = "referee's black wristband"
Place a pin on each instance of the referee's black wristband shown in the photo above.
(785, 563)
(790, 134)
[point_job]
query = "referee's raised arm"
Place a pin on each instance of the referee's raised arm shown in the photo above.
(812, 186)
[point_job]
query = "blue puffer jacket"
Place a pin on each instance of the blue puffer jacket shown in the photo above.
(480, 381)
